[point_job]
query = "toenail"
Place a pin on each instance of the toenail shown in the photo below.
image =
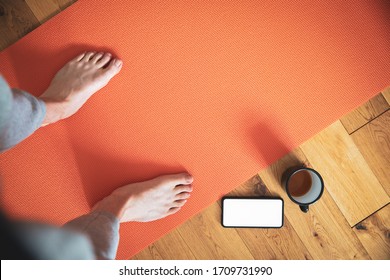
(188, 177)
(118, 62)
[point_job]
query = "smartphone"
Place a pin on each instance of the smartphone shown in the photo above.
(252, 212)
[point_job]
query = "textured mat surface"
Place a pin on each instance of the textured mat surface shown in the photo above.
(218, 88)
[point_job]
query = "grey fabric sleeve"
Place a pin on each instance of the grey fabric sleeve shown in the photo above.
(103, 230)
(20, 115)
(47, 242)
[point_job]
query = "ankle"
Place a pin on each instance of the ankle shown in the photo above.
(54, 111)
(112, 204)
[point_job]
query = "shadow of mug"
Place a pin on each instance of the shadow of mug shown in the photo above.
(303, 185)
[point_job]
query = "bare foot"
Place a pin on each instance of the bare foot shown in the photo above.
(77, 81)
(150, 200)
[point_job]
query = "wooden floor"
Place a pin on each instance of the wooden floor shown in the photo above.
(350, 221)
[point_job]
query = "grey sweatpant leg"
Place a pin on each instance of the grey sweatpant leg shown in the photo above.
(20, 115)
(103, 230)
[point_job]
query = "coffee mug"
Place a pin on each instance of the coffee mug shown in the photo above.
(303, 185)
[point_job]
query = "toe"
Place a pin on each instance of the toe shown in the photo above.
(177, 179)
(113, 67)
(87, 56)
(105, 59)
(183, 195)
(183, 189)
(179, 203)
(96, 57)
(79, 57)
(173, 210)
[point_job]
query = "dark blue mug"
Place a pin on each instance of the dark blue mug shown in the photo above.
(303, 185)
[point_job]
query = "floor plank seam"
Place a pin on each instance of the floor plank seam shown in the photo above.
(369, 121)
(189, 247)
(243, 241)
(371, 214)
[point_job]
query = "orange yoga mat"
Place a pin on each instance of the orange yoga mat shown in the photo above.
(218, 88)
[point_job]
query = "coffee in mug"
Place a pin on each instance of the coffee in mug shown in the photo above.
(304, 186)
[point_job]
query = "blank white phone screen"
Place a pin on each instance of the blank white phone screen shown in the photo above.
(242, 212)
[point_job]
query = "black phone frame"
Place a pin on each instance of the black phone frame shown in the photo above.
(251, 197)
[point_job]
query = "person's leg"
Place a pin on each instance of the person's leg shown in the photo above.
(21, 113)
(102, 228)
(76, 82)
(143, 202)
(71, 87)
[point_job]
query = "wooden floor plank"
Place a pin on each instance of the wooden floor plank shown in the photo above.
(170, 247)
(174, 247)
(7, 34)
(373, 141)
(323, 230)
(149, 253)
(365, 113)
(46, 9)
(16, 20)
(347, 176)
(374, 233)
(43, 9)
(63, 4)
(386, 94)
(281, 243)
(207, 239)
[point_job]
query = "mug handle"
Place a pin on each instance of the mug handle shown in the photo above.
(304, 208)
